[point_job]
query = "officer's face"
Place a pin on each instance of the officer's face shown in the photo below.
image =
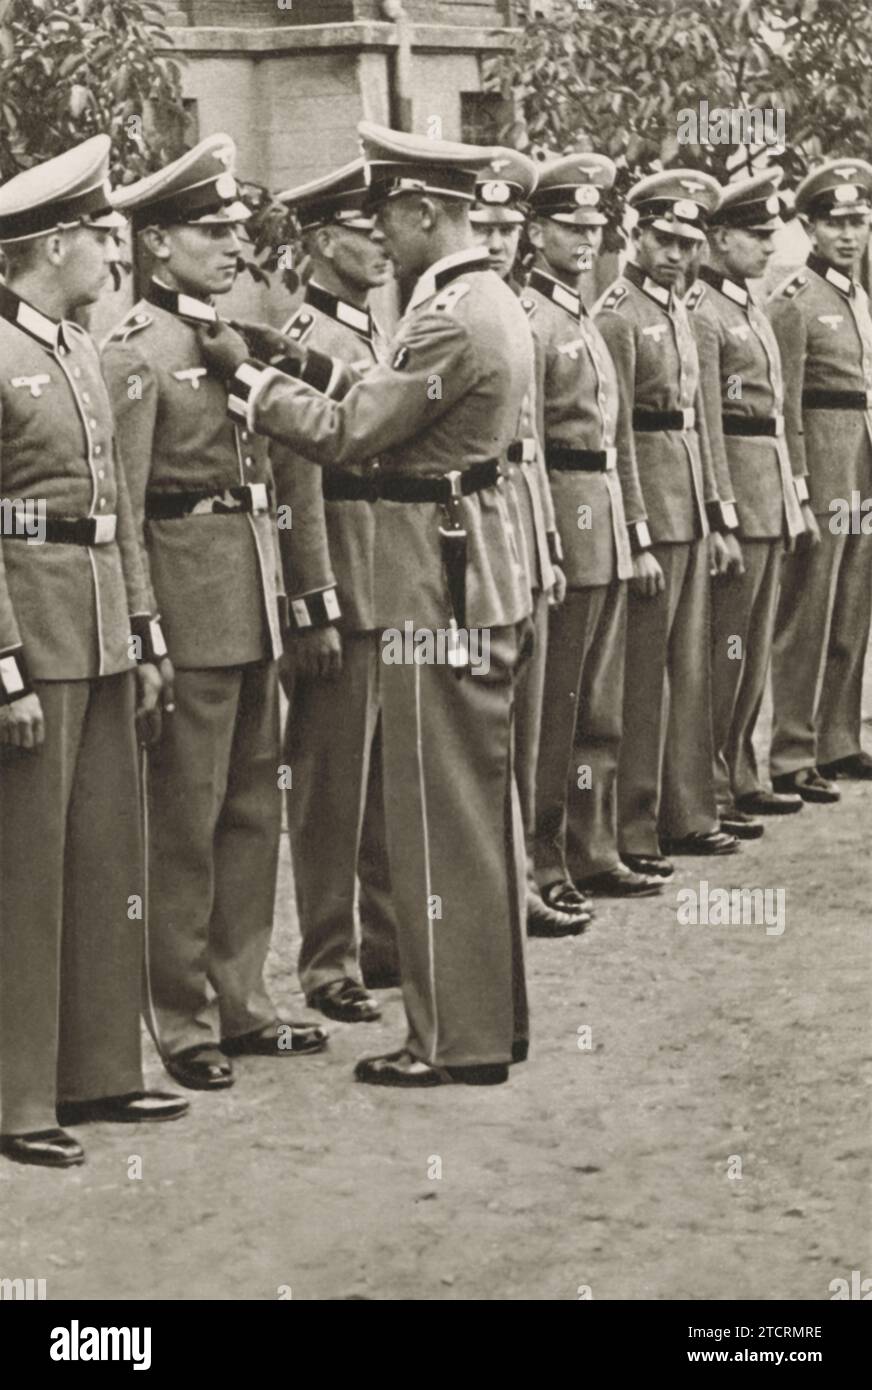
(500, 240)
(358, 257)
(88, 253)
(665, 258)
(567, 249)
(840, 240)
(745, 253)
(405, 224)
(198, 260)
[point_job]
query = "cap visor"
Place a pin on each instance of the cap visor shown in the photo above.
(683, 231)
(579, 218)
(111, 220)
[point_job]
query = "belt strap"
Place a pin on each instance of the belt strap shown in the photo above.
(836, 400)
(566, 460)
(340, 486)
(653, 421)
(768, 426)
(171, 506)
(81, 530)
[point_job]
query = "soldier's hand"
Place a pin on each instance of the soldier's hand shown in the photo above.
(718, 556)
(558, 588)
(734, 562)
(318, 653)
(812, 533)
(168, 685)
(267, 343)
(22, 724)
(223, 348)
(148, 704)
(647, 578)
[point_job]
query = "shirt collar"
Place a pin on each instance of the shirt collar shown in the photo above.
(184, 306)
(335, 308)
(557, 292)
(828, 272)
(50, 332)
(658, 293)
(448, 268)
(736, 290)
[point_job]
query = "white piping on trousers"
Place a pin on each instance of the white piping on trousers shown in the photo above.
(431, 953)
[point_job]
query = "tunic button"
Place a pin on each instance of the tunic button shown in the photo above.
(62, 352)
(77, 371)
(249, 461)
(93, 424)
(102, 474)
(98, 448)
(243, 434)
(86, 398)
(102, 501)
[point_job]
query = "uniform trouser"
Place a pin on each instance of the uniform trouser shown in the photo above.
(333, 746)
(529, 697)
(576, 826)
(665, 781)
(214, 819)
(455, 841)
(743, 621)
(70, 873)
(821, 635)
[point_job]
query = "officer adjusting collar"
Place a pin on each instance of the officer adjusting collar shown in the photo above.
(49, 332)
(335, 308)
(558, 293)
(828, 272)
(658, 293)
(444, 271)
(736, 290)
(184, 306)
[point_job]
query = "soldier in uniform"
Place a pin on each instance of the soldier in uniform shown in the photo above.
(592, 464)
(743, 397)
(451, 600)
(665, 786)
(498, 219)
(822, 323)
(200, 490)
(74, 616)
(333, 740)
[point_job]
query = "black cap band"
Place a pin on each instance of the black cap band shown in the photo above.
(32, 221)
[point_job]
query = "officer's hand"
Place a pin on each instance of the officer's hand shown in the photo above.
(318, 653)
(148, 703)
(735, 563)
(223, 348)
(647, 578)
(558, 588)
(168, 685)
(267, 343)
(21, 723)
(812, 534)
(718, 557)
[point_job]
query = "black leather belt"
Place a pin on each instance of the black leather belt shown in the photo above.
(836, 400)
(769, 426)
(653, 421)
(521, 451)
(340, 486)
(80, 530)
(566, 460)
(171, 506)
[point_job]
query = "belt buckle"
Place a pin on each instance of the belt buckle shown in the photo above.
(453, 480)
(779, 426)
(528, 450)
(104, 529)
(258, 496)
(688, 417)
(611, 458)
(869, 400)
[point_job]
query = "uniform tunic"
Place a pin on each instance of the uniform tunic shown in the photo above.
(214, 800)
(649, 336)
(70, 845)
(448, 395)
(822, 323)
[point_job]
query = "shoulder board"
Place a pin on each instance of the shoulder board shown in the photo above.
(451, 295)
(612, 298)
(694, 296)
(528, 305)
(792, 287)
(300, 325)
(131, 325)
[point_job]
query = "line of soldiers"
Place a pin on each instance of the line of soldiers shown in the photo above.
(631, 502)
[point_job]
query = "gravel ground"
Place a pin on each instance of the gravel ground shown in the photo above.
(711, 1142)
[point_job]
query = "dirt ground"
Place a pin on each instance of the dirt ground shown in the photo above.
(604, 1168)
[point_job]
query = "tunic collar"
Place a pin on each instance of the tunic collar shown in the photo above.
(842, 282)
(658, 293)
(340, 310)
(184, 306)
(447, 269)
(736, 290)
(558, 293)
(49, 332)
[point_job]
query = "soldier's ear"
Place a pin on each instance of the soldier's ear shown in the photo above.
(156, 242)
(534, 234)
(54, 248)
(429, 214)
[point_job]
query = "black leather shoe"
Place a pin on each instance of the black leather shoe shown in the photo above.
(346, 1001)
(650, 866)
(279, 1039)
(200, 1068)
(621, 882)
(808, 784)
(704, 842)
(857, 767)
(380, 976)
(399, 1069)
(139, 1107)
(48, 1148)
(547, 921)
(742, 825)
(520, 1050)
(763, 803)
